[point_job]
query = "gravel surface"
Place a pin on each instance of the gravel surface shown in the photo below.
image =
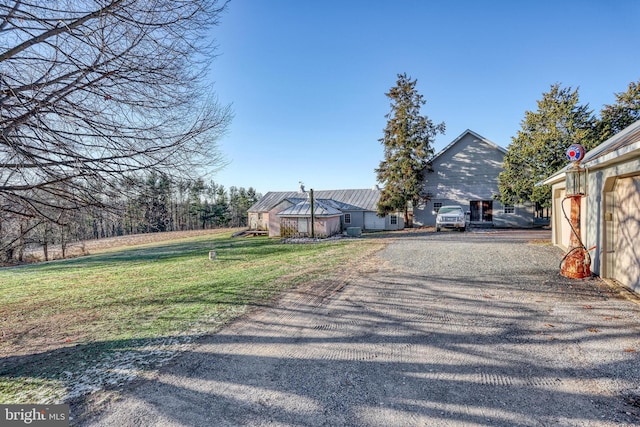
(440, 329)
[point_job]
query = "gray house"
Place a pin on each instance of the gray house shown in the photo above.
(465, 173)
(278, 212)
(610, 209)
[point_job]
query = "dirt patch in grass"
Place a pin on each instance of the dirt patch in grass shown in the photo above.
(32, 335)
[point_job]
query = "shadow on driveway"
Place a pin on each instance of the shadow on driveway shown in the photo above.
(444, 330)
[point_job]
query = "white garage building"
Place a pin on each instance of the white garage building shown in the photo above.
(610, 219)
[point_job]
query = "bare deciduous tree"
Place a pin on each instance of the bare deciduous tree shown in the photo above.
(93, 90)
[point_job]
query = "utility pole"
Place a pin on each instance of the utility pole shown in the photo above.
(313, 219)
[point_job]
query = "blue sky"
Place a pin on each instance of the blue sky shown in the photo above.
(307, 79)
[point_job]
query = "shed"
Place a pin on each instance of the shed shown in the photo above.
(295, 221)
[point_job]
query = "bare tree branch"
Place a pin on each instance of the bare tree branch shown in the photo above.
(94, 90)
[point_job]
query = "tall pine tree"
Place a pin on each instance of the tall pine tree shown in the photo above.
(539, 148)
(408, 148)
(624, 112)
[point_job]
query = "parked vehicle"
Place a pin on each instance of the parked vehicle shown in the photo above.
(451, 217)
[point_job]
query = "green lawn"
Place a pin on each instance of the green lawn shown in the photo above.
(68, 327)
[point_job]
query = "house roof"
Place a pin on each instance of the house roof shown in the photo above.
(475, 135)
(321, 208)
(345, 200)
(623, 145)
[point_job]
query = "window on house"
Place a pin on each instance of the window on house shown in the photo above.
(260, 216)
(509, 209)
(394, 219)
(437, 206)
(347, 218)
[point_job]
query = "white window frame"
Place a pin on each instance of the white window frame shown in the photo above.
(509, 209)
(437, 206)
(393, 219)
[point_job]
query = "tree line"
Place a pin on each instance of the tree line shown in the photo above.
(147, 204)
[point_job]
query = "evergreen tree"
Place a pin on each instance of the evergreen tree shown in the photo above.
(539, 149)
(235, 202)
(156, 197)
(624, 112)
(408, 147)
(197, 207)
(220, 205)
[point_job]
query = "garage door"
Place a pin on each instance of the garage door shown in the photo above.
(627, 219)
(561, 226)
(373, 221)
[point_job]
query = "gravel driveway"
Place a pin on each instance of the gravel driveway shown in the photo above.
(444, 329)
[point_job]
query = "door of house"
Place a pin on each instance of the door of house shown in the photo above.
(481, 211)
(487, 210)
(373, 221)
(476, 209)
(627, 224)
(610, 231)
(303, 225)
